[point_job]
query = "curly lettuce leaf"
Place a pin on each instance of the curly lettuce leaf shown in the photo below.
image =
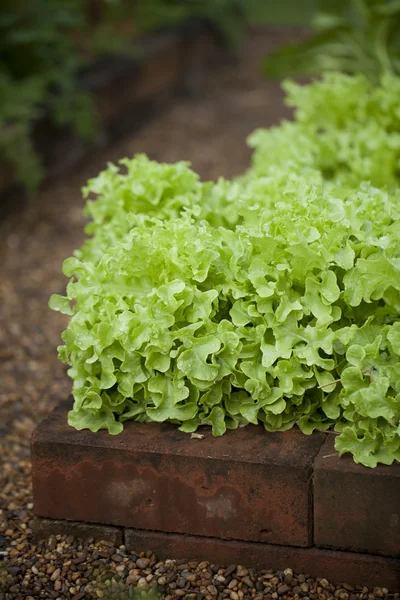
(273, 298)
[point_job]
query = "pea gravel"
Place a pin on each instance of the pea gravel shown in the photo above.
(210, 130)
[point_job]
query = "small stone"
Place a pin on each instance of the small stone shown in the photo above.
(234, 596)
(14, 589)
(56, 575)
(143, 563)
(203, 565)
(57, 585)
(304, 587)
(220, 579)
(288, 579)
(247, 581)
(230, 570)
(283, 589)
(162, 580)
(212, 589)
(259, 586)
(233, 584)
(241, 571)
(117, 558)
(288, 572)
(296, 589)
(324, 583)
(52, 542)
(50, 569)
(179, 593)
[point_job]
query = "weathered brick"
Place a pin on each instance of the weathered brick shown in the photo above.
(356, 508)
(338, 567)
(44, 528)
(246, 485)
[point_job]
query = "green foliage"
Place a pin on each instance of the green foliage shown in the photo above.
(345, 127)
(130, 592)
(38, 70)
(45, 43)
(352, 36)
(228, 16)
(287, 13)
(274, 297)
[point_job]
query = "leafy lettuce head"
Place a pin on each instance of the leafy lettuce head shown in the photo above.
(273, 298)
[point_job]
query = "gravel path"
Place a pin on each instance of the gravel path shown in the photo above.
(210, 131)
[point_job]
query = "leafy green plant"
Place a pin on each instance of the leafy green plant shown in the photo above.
(271, 298)
(125, 591)
(38, 73)
(352, 36)
(227, 16)
(44, 44)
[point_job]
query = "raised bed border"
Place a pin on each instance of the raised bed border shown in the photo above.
(277, 500)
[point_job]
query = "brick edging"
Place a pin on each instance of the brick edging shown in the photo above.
(245, 485)
(262, 492)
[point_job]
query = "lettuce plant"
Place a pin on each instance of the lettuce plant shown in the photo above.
(272, 298)
(352, 36)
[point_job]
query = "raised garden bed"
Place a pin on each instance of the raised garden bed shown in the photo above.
(272, 500)
(127, 91)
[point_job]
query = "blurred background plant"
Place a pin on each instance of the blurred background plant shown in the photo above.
(352, 36)
(122, 591)
(39, 64)
(44, 45)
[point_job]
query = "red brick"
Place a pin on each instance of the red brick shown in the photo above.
(337, 567)
(246, 485)
(44, 528)
(356, 508)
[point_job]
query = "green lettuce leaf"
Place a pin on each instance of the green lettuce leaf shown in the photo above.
(273, 298)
